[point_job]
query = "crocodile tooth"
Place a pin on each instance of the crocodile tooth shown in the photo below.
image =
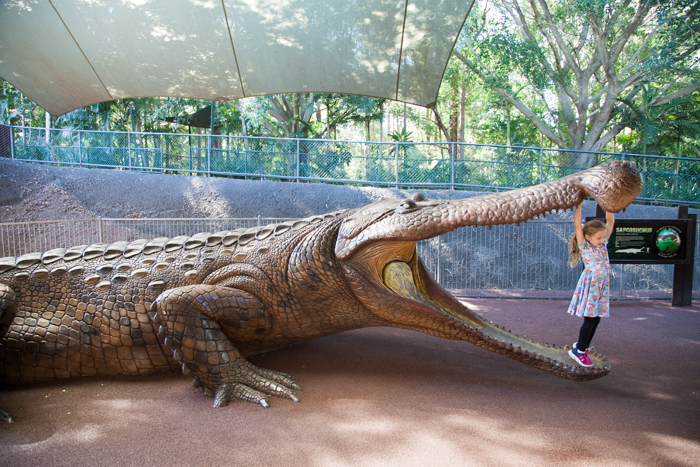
(123, 267)
(92, 279)
(74, 271)
(299, 224)
(176, 243)
(74, 253)
(20, 276)
(52, 256)
(40, 273)
(115, 250)
(27, 260)
(7, 263)
(155, 245)
(58, 270)
(93, 251)
(138, 273)
(104, 285)
(197, 240)
(135, 248)
(104, 269)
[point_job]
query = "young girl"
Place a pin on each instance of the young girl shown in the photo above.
(590, 299)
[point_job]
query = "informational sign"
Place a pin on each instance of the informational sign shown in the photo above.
(649, 241)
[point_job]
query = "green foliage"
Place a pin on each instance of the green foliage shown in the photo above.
(672, 129)
(563, 64)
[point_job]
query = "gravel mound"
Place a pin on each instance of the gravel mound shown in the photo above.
(33, 192)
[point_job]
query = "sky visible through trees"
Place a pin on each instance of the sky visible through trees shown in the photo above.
(571, 74)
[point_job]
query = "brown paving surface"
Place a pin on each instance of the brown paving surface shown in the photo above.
(386, 397)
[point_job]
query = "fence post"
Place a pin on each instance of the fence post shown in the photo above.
(209, 149)
(99, 230)
(80, 149)
(259, 221)
(12, 141)
(437, 271)
(128, 138)
(452, 168)
(622, 281)
(541, 163)
(297, 174)
(396, 165)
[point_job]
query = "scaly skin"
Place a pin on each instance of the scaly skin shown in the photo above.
(203, 303)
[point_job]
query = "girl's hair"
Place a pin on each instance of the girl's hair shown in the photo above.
(589, 228)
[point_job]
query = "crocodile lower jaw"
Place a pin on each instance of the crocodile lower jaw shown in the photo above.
(410, 281)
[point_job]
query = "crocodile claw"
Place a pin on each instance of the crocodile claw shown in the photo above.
(5, 417)
(253, 385)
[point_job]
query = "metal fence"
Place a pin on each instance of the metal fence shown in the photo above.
(506, 261)
(667, 180)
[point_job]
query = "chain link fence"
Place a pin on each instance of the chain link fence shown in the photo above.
(667, 180)
(506, 261)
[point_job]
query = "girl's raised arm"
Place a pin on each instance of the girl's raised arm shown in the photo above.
(609, 224)
(578, 229)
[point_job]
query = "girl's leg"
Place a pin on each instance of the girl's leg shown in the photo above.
(586, 333)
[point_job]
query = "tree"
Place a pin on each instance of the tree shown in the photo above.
(579, 59)
(672, 129)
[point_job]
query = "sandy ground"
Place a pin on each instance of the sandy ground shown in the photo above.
(386, 397)
(373, 397)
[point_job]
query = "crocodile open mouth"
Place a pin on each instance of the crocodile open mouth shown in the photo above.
(409, 280)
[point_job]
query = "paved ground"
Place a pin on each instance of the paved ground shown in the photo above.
(385, 397)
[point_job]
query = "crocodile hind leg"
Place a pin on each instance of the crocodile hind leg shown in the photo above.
(197, 322)
(8, 310)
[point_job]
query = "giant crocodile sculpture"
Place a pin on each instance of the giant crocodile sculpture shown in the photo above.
(202, 304)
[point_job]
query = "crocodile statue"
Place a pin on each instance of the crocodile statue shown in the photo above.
(201, 304)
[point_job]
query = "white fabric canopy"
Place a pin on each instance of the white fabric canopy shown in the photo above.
(66, 54)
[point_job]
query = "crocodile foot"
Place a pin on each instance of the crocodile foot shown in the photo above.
(247, 383)
(196, 322)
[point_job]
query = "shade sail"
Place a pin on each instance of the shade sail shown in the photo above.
(66, 54)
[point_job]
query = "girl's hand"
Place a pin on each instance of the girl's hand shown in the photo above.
(609, 224)
(578, 228)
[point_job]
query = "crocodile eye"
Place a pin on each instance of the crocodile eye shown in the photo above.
(407, 204)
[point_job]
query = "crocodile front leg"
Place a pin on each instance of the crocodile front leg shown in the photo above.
(197, 322)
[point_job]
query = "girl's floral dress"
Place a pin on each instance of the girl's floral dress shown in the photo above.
(591, 297)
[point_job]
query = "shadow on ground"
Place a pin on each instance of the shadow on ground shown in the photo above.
(389, 397)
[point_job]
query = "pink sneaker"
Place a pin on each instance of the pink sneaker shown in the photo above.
(581, 358)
